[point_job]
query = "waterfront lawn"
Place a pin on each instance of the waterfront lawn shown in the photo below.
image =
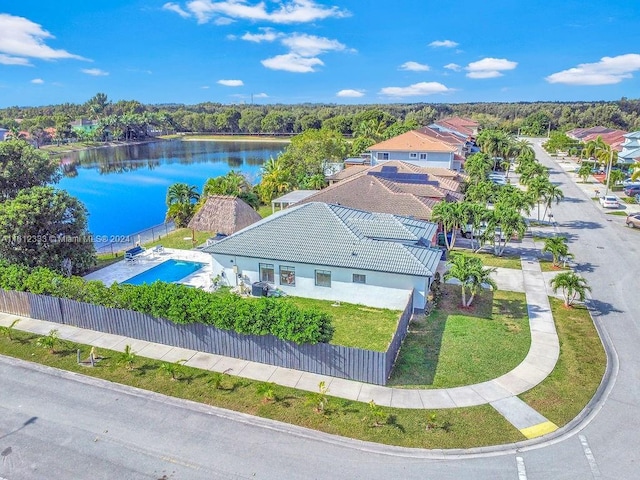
(356, 325)
(451, 428)
(456, 346)
(181, 239)
(579, 371)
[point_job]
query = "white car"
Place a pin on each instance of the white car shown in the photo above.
(628, 182)
(609, 201)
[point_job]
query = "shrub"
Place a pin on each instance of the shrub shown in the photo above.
(181, 304)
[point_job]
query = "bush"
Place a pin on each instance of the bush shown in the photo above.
(180, 304)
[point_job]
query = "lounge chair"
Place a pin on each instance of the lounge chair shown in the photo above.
(131, 254)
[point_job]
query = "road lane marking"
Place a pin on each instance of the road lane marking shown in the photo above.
(522, 471)
(595, 471)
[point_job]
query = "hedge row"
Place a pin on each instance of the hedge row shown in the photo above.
(180, 304)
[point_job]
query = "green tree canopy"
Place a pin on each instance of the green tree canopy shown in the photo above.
(45, 227)
(23, 166)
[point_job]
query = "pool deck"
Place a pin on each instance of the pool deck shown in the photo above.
(121, 271)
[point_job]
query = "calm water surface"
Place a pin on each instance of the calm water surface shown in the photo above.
(124, 188)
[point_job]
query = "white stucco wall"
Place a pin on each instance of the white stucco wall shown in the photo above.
(382, 290)
(434, 159)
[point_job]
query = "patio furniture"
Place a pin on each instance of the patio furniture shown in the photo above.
(131, 254)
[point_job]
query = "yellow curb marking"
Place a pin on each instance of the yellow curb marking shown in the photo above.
(539, 430)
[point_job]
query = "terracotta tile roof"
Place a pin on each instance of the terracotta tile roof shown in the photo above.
(581, 133)
(348, 172)
(413, 141)
(463, 125)
(615, 138)
(447, 137)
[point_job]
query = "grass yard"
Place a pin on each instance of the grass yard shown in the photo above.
(181, 239)
(455, 428)
(265, 210)
(618, 213)
(356, 325)
(547, 266)
(578, 373)
(453, 346)
(491, 260)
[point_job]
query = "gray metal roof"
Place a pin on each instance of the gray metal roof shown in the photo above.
(333, 235)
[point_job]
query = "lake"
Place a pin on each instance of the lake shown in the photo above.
(125, 187)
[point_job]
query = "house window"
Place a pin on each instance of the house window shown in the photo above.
(359, 278)
(323, 278)
(423, 156)
(413, 155)
(267, 272)
(383, 156)
(288, 276)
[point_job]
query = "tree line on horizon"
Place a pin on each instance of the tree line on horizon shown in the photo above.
(132, 120)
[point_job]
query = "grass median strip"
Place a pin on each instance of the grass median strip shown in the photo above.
(456, 428)
(578, 373)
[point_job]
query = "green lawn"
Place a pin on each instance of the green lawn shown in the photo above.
(181, 239)
(491, 260)
(618, 213)
(265, 210)
(564, 393)
(356, 325)
(546, 265)
(466, 427)
(454, 346)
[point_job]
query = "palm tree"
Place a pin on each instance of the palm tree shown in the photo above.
(558, 248)
(180, 200)
(480, 277)
(584, 171)
(8, 330)
(507, 221)
(573, 287)
(477, 166)
(128, 357)
(476, 214)
(553, 193)
(471, 274)
(536, 188)
(452, 216)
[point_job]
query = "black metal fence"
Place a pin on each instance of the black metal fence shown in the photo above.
(114, 244)
(324, 359)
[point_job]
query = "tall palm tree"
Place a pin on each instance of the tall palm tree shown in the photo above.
(477, 166)
(558, 248)
(471, 274)
(573, 287)
(536, 188)
(480, 276)
(553, 193)
(181, 200)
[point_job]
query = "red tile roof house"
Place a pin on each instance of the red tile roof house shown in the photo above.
(419, 149)
(464, 127)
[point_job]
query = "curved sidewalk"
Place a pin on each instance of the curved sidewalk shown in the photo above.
(537, 365)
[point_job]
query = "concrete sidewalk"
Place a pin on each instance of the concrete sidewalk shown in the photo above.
(500, 392)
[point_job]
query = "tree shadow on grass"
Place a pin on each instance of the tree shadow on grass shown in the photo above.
(144, 368)
(392, 421)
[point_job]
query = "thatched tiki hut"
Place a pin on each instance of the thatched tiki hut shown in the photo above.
(223, 214)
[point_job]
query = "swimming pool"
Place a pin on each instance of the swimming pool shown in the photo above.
(168, 271)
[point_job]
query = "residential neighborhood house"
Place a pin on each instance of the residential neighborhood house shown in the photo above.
(332, 252)
(630, 149)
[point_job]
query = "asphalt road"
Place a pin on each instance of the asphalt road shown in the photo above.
(56, 425)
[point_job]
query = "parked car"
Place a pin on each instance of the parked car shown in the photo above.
(632, 190)
(629, 183)
(633, 220)
(638, 198)
(609, 201)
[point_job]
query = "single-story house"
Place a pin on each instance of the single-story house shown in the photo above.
(331, 252)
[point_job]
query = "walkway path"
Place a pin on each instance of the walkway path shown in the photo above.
(501, 392)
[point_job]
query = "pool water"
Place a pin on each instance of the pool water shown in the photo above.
(168, 271)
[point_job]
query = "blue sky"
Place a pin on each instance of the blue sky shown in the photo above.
(296, 51)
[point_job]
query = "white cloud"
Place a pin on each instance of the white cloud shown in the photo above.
(260, 95)
(231, 83)
(453, 66)
(96, 72)
(205, 87)
(21, 39)
(608, 71)
(294, 11)
(417, 89)
(349, 93)
(37, 81)
(9, 60)
(267, 35)
(292, 62)
(223, 21)
(174, 7)
(310, 45)
(414, 67)
(489, 67)
(443, 44)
